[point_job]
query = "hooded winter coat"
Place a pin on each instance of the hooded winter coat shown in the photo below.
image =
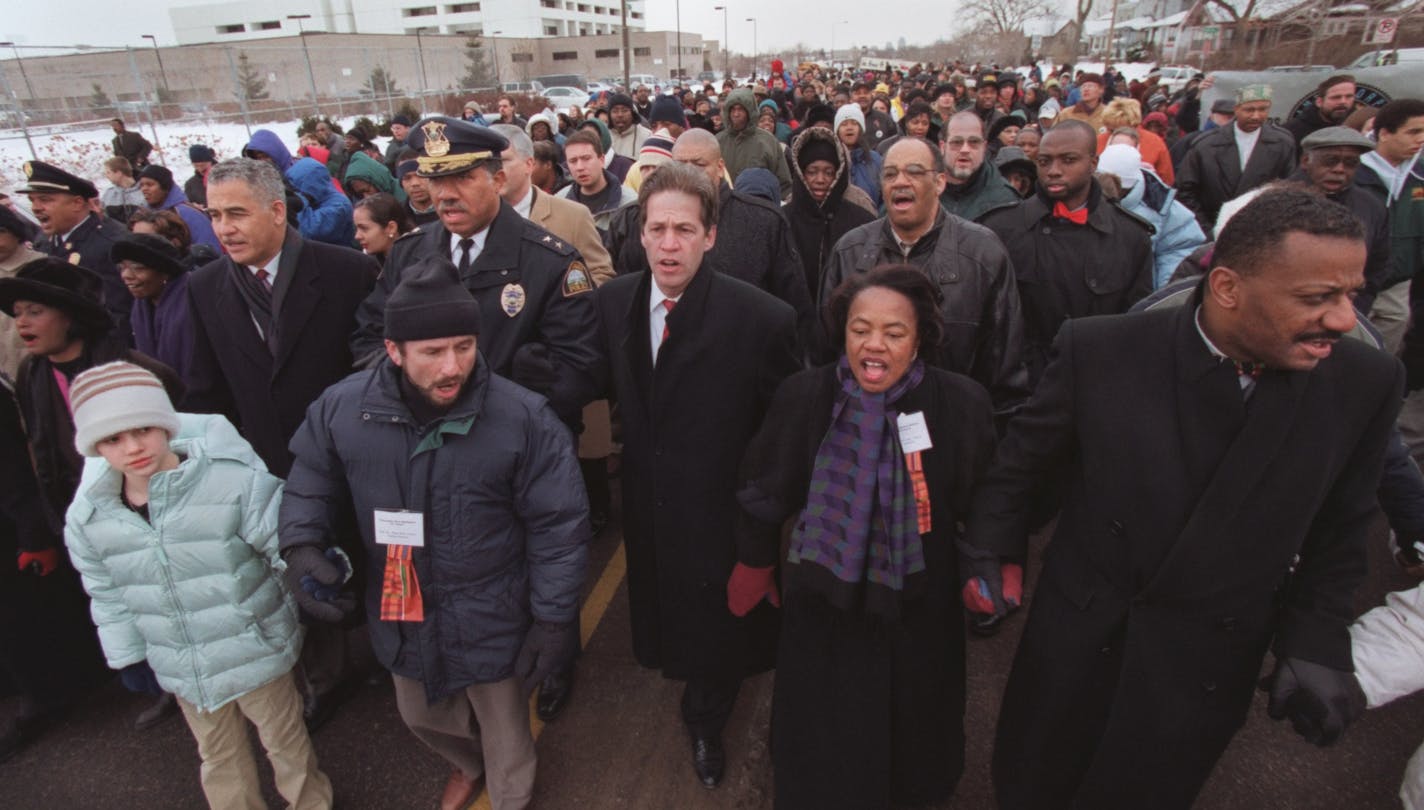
(195, 590)
(751, 146)
(1177, 233)
(199, 225)
(817, 226)
(325, 213)
(364, 167)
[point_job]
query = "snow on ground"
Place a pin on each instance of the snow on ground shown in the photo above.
(84, 151)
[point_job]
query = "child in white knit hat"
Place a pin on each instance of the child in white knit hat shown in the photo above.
(174, 531)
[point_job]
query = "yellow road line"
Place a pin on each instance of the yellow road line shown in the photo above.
(589, 617)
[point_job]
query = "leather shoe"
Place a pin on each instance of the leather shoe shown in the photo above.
(554, 694)
(985, 625)
(162, 708)
(460, 791)
(709, 760)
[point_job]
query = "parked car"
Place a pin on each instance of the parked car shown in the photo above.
(605, 86)
(561, 98)
(527, 88)
(1172, 78)
(575, 80)
(1388, 56)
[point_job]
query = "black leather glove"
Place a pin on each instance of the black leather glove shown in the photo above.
(548, 648)
(1319, 701)
(533, 368)
(315, 580)
(140, 678)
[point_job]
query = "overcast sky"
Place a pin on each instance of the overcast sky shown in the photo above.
(779, 26)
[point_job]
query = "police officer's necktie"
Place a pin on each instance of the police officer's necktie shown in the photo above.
(465, 246)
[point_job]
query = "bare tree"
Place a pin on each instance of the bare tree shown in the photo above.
(1005, 16)
(1083, 9)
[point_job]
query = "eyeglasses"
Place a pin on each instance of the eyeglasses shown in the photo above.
(1331, 161)
(914, 171)
(957, 143)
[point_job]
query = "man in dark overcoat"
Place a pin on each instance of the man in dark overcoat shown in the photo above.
(1219, 462)
(1229, 161)
(694, 357)
(271, 321)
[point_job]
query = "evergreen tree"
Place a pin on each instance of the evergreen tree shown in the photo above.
(380, 83)
(477, 72)
(251, 85)
(98, 99)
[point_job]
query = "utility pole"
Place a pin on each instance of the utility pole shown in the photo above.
(1112, 28)
(679, 39)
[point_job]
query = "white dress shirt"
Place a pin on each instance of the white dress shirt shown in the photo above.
(657, 318)
(475, 250)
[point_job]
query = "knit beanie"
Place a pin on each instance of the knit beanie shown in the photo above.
(116, 397)
(158, 174)
(1124, 161)
(667, 109)
(430, 303)
(819, 112)
(656, 150)
(815, 149)
(198, 153)
(620, 100)
(850, 112)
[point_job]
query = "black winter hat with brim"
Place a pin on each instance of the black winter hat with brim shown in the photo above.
(431, 303)
(69, 288)
(150, 250)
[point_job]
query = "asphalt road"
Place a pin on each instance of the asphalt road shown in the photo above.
(620, 743)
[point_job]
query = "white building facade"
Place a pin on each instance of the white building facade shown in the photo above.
(241, 20)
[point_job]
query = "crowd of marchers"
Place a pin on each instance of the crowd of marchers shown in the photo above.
(846, 339)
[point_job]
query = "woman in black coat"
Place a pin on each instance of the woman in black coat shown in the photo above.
(875, 457)
(820, 212)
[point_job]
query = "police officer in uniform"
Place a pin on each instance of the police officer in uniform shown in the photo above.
(75, 233)
(533, 288)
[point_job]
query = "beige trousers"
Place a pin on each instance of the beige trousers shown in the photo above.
(229, 773)
(482, 730)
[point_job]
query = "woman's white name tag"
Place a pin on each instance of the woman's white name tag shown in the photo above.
(914, 433)
(398, 527)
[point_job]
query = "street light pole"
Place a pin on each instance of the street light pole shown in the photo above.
(424, 83)
(494, 43)
(302, 35)
(678, 5)
(752, 20)
(16, 48)
(726, 51)
(19, 111)
(159, 56)
(833, 39)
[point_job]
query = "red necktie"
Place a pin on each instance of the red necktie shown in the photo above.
(262, 276)
(1079, 217)
(668, 304)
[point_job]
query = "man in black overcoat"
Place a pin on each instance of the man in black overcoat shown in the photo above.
(271, 321)
(692, 380)
(1219, 462)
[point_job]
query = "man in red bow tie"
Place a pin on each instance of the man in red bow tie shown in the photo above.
(1074, 251)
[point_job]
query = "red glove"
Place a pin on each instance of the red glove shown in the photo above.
(44, 561)
(748, 586)
(988, 595)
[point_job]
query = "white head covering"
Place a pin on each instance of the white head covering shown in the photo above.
(1124, 161)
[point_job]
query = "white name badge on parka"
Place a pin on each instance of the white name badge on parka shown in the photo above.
(914, 433)
(400, 527)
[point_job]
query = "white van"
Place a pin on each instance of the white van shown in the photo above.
(1388, 56)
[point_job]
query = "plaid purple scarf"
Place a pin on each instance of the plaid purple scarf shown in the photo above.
(860, 522)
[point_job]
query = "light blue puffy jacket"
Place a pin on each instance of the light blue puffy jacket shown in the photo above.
(1177, 234)
(198, 593)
